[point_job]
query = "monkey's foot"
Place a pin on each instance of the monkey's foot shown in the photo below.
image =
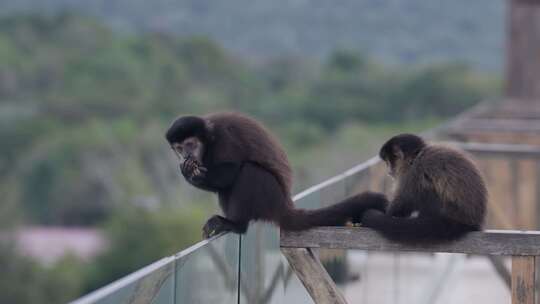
(214, 226)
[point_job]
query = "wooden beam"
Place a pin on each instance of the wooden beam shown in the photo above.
(515, 151)
(523, 280)
(501, 269)
(494, 125)
(507, 110)
(491, 242)
(522, 52)
(312, 274)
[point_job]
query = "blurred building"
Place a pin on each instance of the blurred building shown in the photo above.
(48, 244)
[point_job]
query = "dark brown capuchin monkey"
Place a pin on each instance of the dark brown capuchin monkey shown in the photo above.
(236, 157)
(440, 194)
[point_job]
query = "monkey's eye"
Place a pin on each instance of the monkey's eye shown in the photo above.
(177, 149)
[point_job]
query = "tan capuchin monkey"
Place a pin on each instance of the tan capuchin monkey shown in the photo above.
(440, 194)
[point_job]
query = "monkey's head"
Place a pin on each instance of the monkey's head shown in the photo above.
(188, 136)
(400, 151)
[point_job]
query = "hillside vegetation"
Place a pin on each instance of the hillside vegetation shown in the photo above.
(83, 110)
(396, 31)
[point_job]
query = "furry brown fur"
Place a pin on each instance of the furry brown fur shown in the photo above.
(239, 138)
(441, 184)
(246, 166)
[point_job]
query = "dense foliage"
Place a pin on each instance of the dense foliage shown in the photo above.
(83, 110)
(151, 235)
(25, 281)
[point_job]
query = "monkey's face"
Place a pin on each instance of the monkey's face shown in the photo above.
(390, 168)
(393, 168)
(396, 162)
(399, 152)
(191, 147)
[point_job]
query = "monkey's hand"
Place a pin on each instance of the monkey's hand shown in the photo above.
(193, 170)
(371, 217)
(214, 226)
(365, 201)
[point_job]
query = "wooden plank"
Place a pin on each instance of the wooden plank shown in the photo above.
(526, 183)
(497, 216)
(312, 274)
(523, 280)
(499, 150)
(523, 47)
(500, 189)
(507, 125)
(507, 109)
(501, 269)
(494, 242)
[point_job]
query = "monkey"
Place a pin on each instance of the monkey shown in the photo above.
(236, 157)
(440, 194)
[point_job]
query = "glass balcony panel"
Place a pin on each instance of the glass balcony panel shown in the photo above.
(209, 274)
(151, 284)
(265, 274)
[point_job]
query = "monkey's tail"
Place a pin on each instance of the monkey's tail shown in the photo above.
(416, 229)
(338, 214)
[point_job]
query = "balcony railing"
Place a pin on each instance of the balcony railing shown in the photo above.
(300, 249)
(251, 268)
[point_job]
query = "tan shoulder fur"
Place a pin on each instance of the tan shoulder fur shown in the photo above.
(456, 179)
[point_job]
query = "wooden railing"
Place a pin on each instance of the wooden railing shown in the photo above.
(300, 248)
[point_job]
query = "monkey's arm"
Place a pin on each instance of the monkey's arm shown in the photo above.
(218, 224)
(216, 177)
(255, 193)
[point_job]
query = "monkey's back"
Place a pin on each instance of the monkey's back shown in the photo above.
(457, 181)
(242, 138)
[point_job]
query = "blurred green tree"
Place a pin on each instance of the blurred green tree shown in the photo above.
(137, 237)
(26, 282)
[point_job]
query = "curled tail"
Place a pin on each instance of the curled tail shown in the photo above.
(415, 229)
(335, 215)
